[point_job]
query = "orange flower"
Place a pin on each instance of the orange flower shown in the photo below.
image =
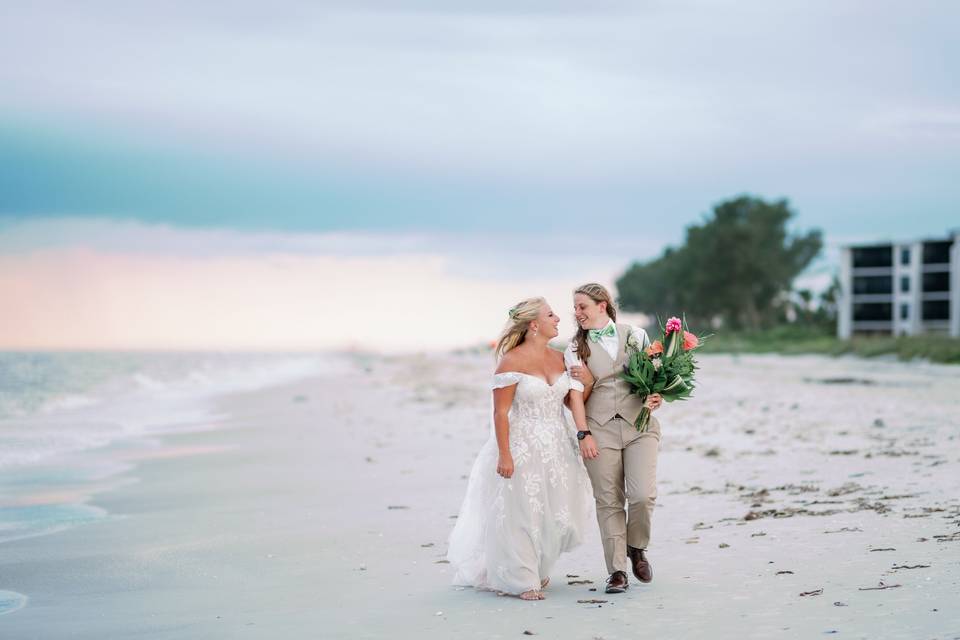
(654, 349)
(690, 341)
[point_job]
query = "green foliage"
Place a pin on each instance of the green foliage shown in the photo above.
(673, 378)
(640, 374)
(798, 339)
(800, 308)
(735, 266)
(681, 366)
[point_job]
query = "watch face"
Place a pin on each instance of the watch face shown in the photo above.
(581, 435)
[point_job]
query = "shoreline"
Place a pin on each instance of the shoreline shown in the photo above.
(72, 424)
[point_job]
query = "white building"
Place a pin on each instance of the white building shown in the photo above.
(900, 288)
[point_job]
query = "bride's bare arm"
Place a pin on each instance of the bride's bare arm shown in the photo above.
(585, 376)
(582, 374)
(502, 399)
(588, 446)
(579, 372)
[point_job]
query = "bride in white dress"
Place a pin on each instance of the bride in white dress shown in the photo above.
(529, 497)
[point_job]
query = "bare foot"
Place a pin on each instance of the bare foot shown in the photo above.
(533, 594)
(544, 583)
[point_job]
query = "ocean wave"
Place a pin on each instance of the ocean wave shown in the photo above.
(53, 404)
(11, 601)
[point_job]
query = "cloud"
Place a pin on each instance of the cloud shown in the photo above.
(103, 284)
(89, 300)
(939, 126)
(517, 118)
(552, 249)
(536, 93)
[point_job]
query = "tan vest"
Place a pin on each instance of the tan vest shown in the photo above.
(611, 395)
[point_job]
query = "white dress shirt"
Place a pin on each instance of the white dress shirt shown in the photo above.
(610, 344)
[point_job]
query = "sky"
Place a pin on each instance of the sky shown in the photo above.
(266, 163)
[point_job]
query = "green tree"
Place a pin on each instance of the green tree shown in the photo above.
(734, 268)
(826, 313)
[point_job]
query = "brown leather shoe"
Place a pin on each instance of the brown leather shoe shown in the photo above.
(617, 582)
(641, 566)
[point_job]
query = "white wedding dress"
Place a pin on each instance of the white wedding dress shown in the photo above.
(510, 532)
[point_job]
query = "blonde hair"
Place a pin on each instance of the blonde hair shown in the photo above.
(515, 331)
(598, 293)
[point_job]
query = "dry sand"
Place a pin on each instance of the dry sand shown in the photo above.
(799, 497)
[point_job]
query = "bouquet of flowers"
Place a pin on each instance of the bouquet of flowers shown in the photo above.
(665, 367)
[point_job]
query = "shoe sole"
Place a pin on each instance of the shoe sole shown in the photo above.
(615, 590)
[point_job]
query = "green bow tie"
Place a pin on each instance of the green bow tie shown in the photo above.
(596, 334)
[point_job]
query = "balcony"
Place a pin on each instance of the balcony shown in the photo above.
(935, 282)
(872, 312)
(937, 252)
(872, 285)
(866, 328)
(936, 310)
(872, 257)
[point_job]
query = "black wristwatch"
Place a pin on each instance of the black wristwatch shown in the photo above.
(583, 434)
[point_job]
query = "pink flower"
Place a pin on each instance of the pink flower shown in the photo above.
(654, 349)
(690, 341)
(673, 324)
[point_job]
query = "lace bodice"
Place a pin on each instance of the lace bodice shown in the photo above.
(536, 404)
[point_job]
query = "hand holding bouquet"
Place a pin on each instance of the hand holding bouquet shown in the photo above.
(667, 370)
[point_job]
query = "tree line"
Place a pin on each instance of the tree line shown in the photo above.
(735, 271)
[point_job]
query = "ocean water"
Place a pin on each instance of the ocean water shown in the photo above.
(65, 419)
(52, 403)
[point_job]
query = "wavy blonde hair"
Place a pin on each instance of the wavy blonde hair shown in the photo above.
(515, 331)
(598, 293)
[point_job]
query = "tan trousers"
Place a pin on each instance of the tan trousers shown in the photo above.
(625, 472)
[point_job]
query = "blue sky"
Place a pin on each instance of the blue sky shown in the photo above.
(485, 138)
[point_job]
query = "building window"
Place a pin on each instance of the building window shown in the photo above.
(936, 310)
(905, 284)
(936, 252)
(873, 312)
(936, 281)
(873, 284)
(873, 257)
(905, 255)
(904, 312)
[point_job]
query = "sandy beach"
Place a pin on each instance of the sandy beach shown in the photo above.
(799, 497)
